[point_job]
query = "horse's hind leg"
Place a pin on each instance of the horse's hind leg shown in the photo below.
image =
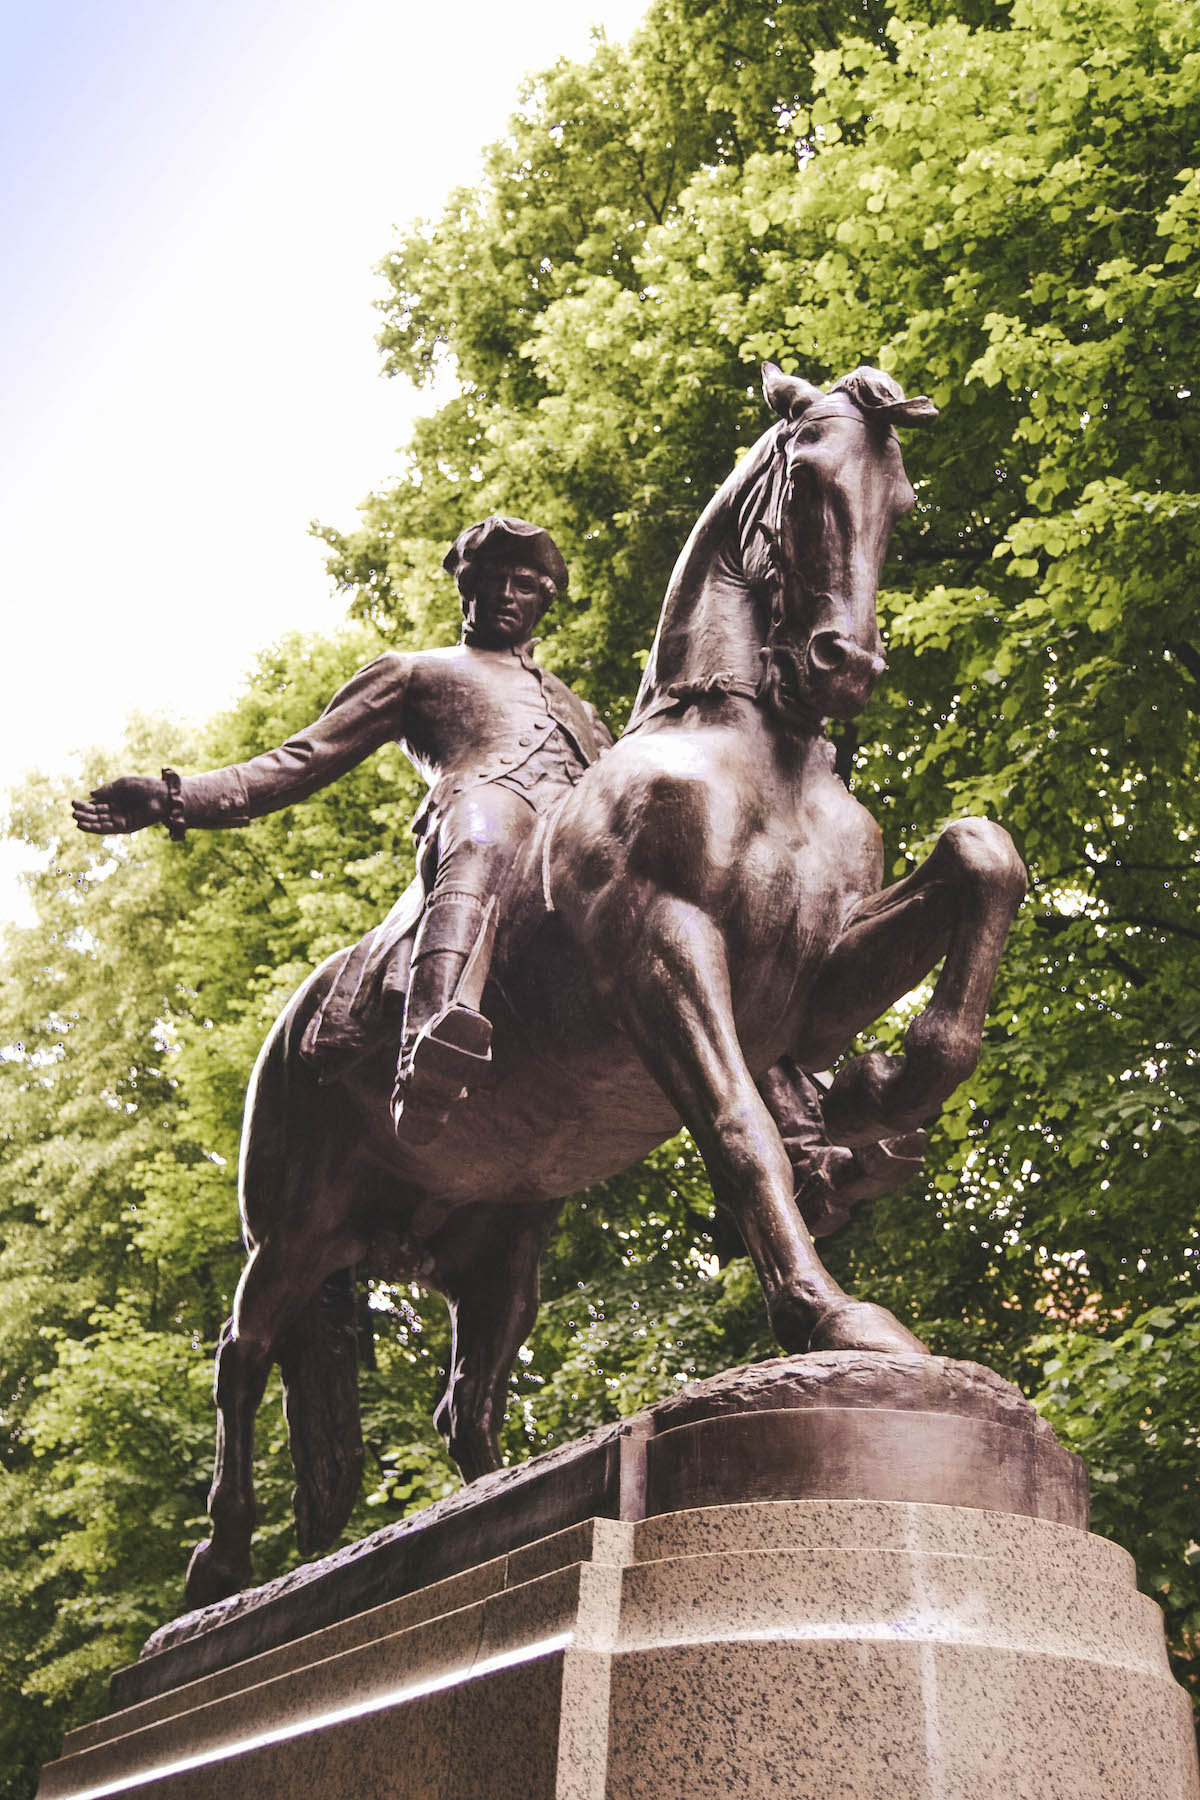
(295, 1207)
(294, 1187)
(221, 1564)
(486, 1264)
(959, 904)
(678, 1011)
(274, 1288)
(318, 1361)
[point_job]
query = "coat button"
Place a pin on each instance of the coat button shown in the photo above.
(525, 741)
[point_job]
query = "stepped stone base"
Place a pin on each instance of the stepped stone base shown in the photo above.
(832, 1647)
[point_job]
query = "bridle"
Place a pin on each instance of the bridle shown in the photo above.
(777, 688)
(774, 687)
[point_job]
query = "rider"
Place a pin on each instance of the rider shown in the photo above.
(497, 738)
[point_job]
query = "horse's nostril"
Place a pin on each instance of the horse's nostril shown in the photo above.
(827, 650)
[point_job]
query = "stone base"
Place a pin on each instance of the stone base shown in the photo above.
(822, 1650)
(826, 1578)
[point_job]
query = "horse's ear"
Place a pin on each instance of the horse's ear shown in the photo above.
(917, 411)
(788, 395)
(880, 398)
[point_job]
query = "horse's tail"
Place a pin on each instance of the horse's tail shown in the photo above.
(319, 1365)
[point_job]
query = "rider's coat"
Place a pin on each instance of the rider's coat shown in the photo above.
(466, 717)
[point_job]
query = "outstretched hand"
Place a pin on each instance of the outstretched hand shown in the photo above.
(128, 804)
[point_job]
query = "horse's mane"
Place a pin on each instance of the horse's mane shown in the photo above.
(708, 584)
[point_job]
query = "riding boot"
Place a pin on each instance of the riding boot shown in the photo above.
(445, 1044)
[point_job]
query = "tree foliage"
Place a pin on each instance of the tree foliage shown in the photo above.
(999, 205)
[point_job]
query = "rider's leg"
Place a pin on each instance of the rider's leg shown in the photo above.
(447, 934)
(446, 1041)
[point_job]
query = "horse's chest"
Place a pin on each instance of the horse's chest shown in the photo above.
(791, 900)
(801, 878)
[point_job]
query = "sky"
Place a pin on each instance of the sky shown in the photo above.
(192, 203)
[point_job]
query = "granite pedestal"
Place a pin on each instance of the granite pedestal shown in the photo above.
(712, 1624)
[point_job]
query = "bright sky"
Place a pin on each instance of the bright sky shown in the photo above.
(192, 199)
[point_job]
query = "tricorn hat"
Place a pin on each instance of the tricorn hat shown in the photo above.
(502, 536)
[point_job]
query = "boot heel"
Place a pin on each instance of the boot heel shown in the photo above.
(451, 1056)
(460, 1029)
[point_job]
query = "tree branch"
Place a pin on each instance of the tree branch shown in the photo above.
(1148, 922)
(1186, 655)
(1055, 923)
(1123, 966)
(1093, 865)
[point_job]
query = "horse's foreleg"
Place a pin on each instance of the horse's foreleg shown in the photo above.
(487, 1267)
(679, 1013)
(959, 904)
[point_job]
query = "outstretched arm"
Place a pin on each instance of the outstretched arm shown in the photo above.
(362, 716)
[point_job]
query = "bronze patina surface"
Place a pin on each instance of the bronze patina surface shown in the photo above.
(689, 927)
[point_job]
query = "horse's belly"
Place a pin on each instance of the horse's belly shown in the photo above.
(551, 1125)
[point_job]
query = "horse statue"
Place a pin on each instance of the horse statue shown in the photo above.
(691, 935)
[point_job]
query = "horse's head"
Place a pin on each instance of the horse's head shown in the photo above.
(837, 487)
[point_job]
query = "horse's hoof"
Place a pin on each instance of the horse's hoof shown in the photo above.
(210, 1578)
(860, 1108)
(828, 1194)
(859, 1325)
(877, 1169)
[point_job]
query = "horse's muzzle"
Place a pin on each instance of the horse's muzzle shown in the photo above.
(841, 674)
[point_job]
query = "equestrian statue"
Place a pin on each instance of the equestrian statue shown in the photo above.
(603, 941)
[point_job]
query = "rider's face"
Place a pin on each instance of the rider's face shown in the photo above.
(504, 603)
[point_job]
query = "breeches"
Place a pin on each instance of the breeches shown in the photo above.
(477, 839)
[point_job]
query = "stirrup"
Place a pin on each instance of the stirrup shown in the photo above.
(449, 1057)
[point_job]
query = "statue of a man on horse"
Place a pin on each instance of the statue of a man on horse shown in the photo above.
(692, 927)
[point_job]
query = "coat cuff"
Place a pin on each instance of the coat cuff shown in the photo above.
(218, 800)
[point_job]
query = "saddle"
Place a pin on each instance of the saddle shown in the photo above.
(362, 1010)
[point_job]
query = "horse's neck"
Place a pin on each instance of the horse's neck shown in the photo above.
(711, 631)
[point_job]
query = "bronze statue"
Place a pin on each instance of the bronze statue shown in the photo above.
(692, 930)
